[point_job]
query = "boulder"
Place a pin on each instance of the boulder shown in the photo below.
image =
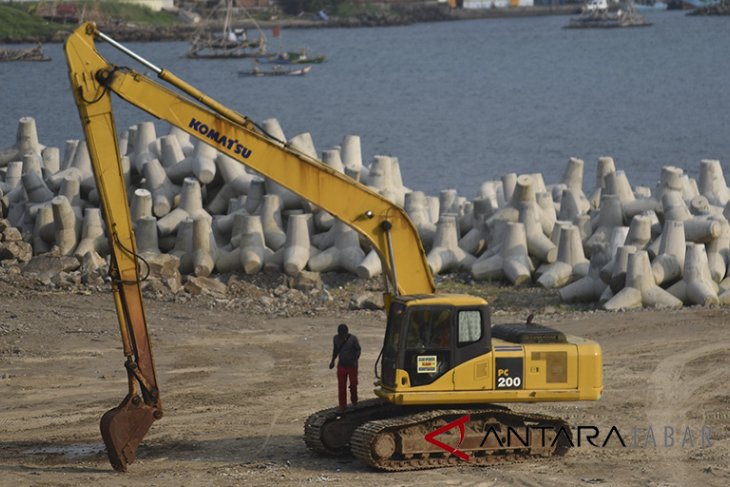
(367, 301)
(305, 281)
(197, 285)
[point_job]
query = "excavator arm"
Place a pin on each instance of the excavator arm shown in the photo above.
(382, 223)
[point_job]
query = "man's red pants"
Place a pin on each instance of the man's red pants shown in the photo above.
(343, 373)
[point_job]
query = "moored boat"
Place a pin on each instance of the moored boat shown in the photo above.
(29, 54)
(276, 70)
(230, 43)
(292, 57)
(598, 14)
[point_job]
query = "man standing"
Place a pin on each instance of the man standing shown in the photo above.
(347, 348)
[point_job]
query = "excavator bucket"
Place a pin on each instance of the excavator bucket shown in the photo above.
(123, 429)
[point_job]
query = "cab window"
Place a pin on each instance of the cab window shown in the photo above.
(470, 327)
(429, 329)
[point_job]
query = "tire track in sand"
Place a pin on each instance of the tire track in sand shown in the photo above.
(670, 397)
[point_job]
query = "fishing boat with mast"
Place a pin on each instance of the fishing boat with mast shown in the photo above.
(606, 14)
(233, 43)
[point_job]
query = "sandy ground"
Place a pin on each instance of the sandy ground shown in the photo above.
(237, 389)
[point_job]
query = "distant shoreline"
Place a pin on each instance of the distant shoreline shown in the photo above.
(395, 17)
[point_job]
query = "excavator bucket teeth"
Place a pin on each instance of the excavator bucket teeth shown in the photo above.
(123, 429)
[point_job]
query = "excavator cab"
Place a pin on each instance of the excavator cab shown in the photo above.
(427, 336)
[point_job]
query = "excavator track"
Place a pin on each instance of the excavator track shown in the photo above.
(398, 443)
(328, 432)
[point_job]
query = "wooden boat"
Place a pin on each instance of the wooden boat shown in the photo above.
(598, 14)
(276, 70)
(30, 54)
(216, 48)
(231, 43)
(292, 57)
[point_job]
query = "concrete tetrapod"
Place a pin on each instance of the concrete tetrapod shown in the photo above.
(696, 229)
(605, 167)
(448, 202)
(51, 160)
(297, 249)
(512, 260)
(26, 140)
(696, 286)
(383, 178)
(274, 234)
(35, 188)
(191, 205)
(184, 245)
(170, 151)
(370, 267)
(670, 179)
(71, 189)
(639, 232)
(618, 183)
(718, 251)
(141, 204)
(43, 230)
(346, 253)
(586, 289)
(712, 184)
(668, 264)
(81, 165)
(475, 240)
(351, 154)
(620, 268)
(229, 256)
(539, 245)
(573, 180)
(13, 177)
(446, 256)
(546, 212)
(641, 289)
(569, 207)
(523, 194)
(223, 224)
(146, 235)
(145, 146)
(162, 189)
(69, 150)
(253, 249)
(204, 247)
(571, 262)
(236, 183)
(415, 206)
(609, 254)
(200, 164)
(492, 191)
(92, 234)
(610, 216)
(183, 139)
(65, 222)
(509, 182)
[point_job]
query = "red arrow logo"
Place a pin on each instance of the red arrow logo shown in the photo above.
(431, 437)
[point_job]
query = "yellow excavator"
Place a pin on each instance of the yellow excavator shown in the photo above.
(442, 364)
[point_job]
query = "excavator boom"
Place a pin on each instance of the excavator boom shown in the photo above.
(385, 225)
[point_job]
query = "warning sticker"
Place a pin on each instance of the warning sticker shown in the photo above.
(427, 364)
